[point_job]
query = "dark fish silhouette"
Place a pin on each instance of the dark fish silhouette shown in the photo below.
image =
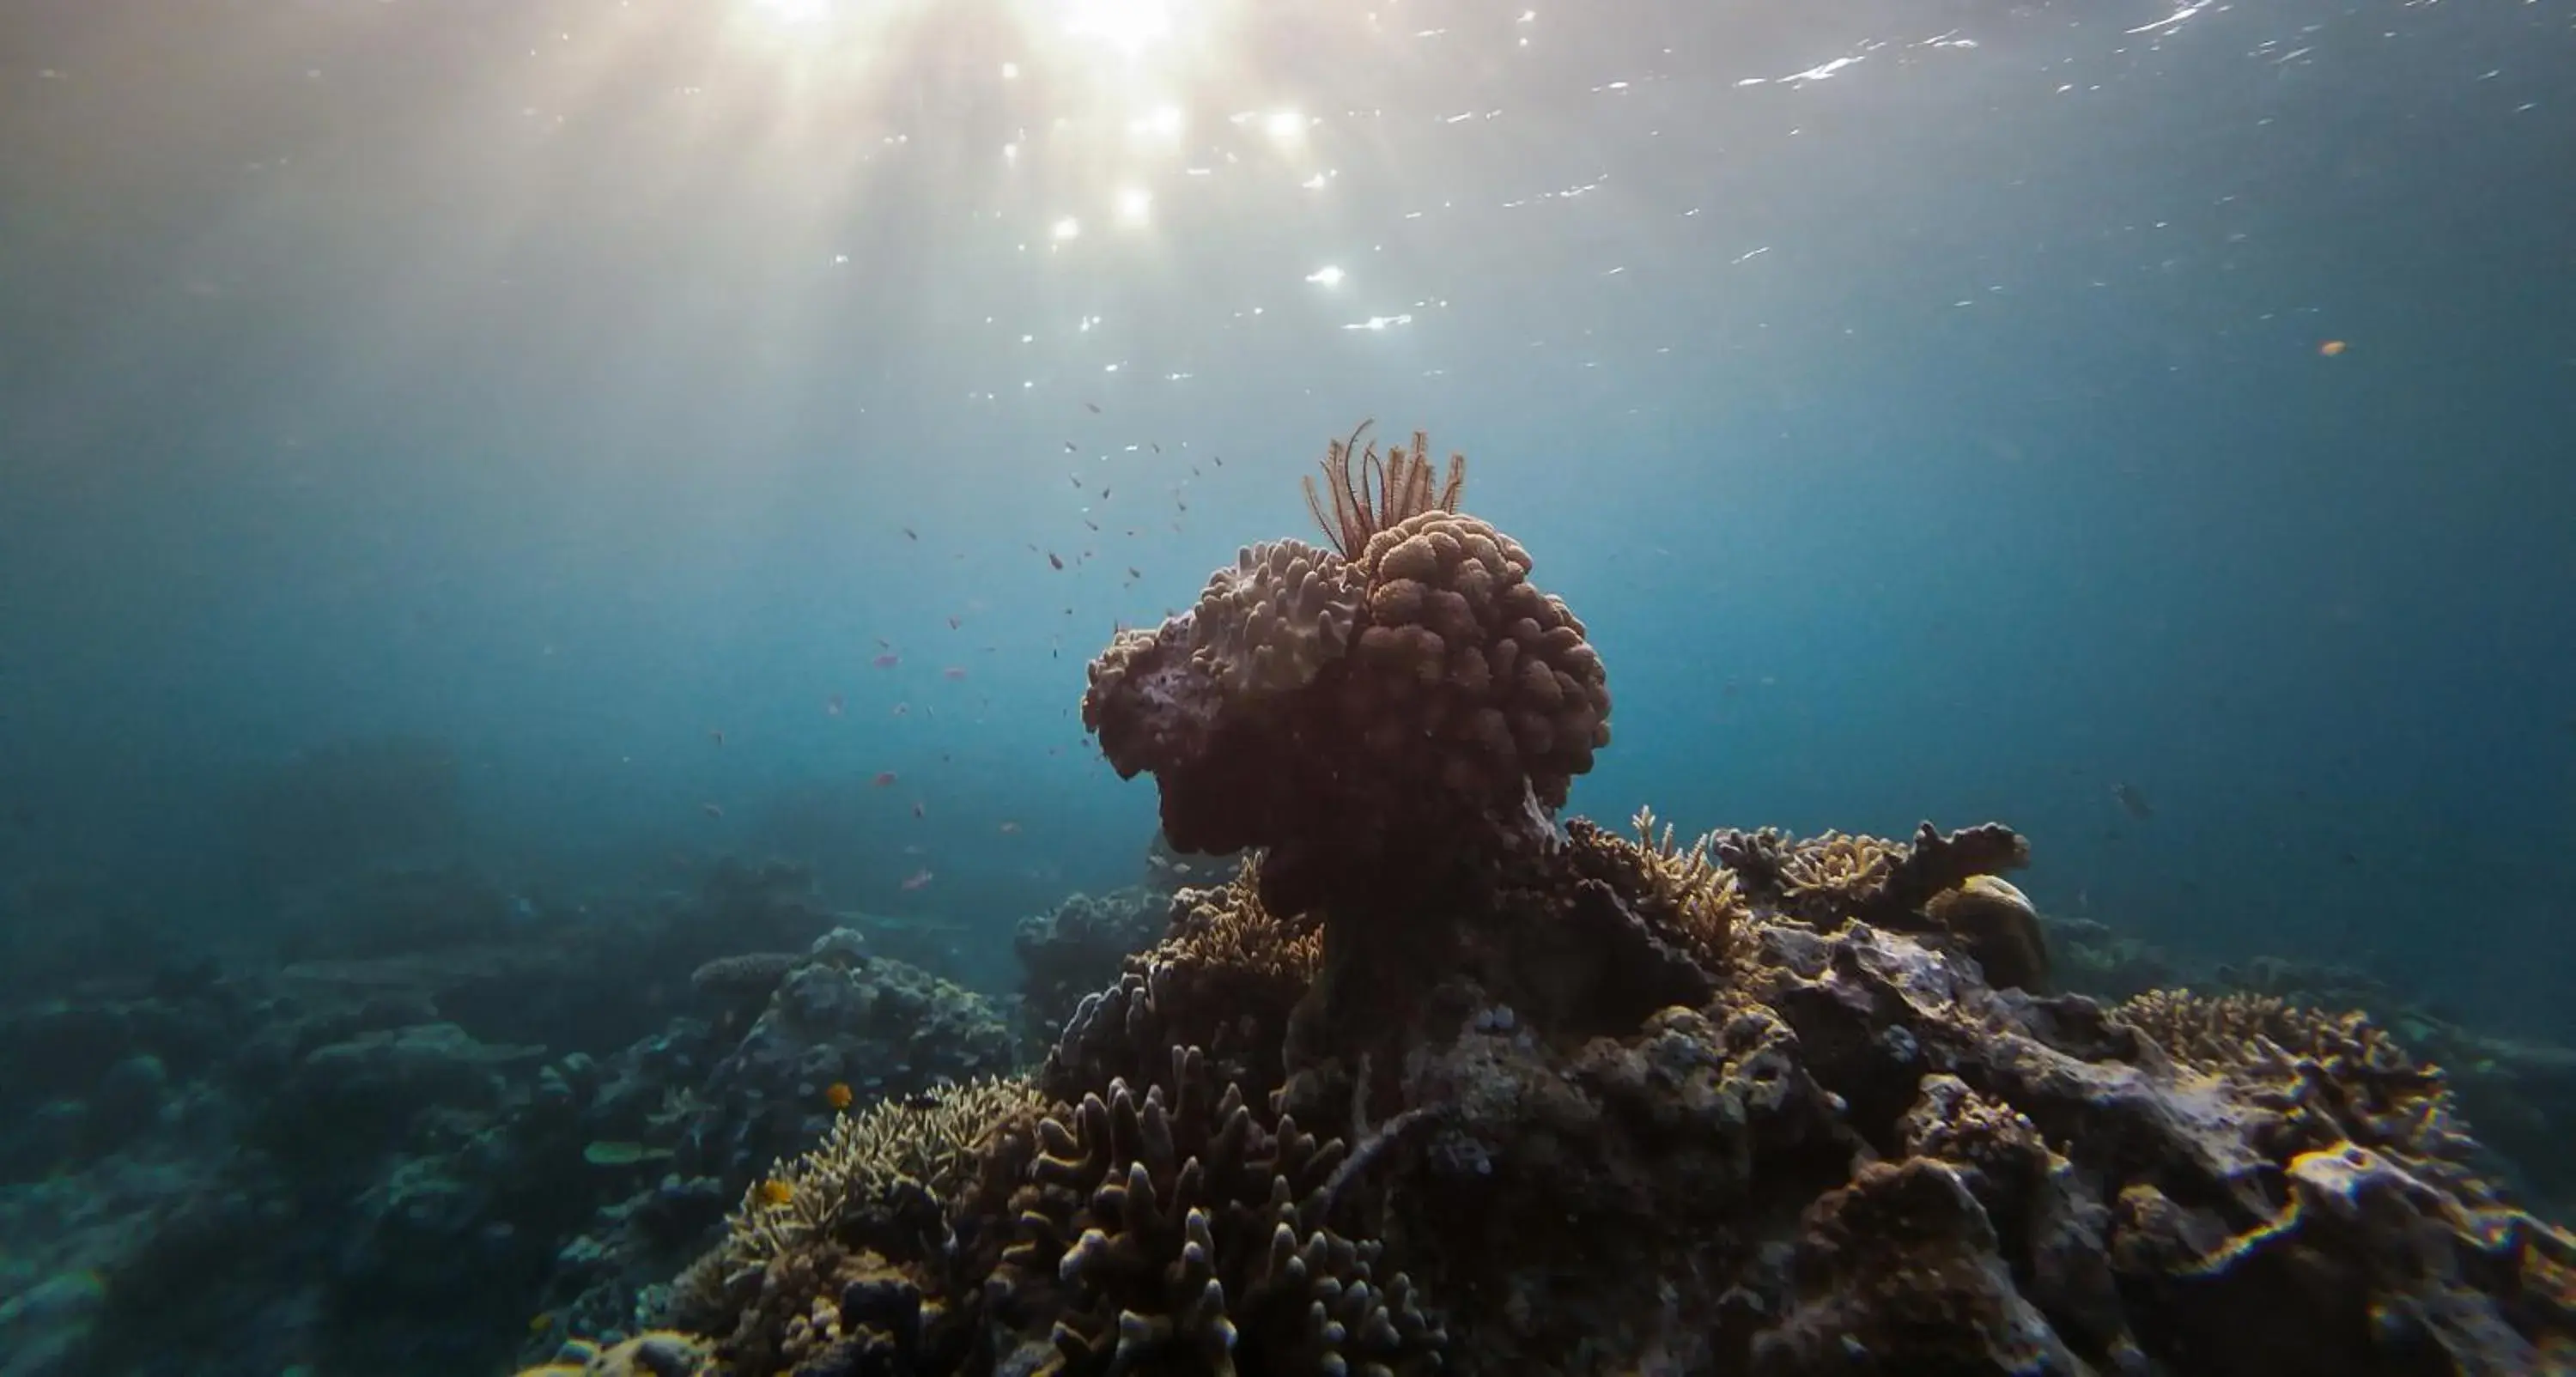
(2133, 802)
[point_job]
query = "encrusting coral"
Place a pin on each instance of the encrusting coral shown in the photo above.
(1743, 1106)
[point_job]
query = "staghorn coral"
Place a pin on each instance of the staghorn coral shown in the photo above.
(929, 1142)
(1365, 745)
(1680, 891)
(1228, 929)
(1177, 1231)
(2329, 1078)
(1828, 877)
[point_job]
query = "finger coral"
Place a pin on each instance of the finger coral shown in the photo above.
(1170, 1231)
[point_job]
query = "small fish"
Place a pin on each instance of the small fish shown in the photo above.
(952, 623)
(1104, 496)
(953, 672)
(712, 810)
(838, 1095)
(1077, 482)
(917, 879)
(776, 1192)
(884, 779)
(910, 534)
(1217, 459)
(1087, 521)
(1092, 407)
(902, 710)
(2134, 802)
(887, 661)
(1157, 448)
(717, 736)
(1010, 828)
(1069, 449)
(1055, 559)
(1131, 572)
(917, 810)
(833, 705)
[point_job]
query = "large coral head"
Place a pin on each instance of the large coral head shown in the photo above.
(1405, 700)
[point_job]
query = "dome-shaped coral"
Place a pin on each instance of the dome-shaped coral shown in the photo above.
(1414, 700)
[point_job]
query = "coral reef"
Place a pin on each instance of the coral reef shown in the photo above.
(1429, 1082)
(371, 1165)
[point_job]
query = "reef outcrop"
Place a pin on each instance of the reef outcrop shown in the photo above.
(1434, 1084)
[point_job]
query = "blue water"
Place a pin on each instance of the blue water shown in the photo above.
(1948, 433)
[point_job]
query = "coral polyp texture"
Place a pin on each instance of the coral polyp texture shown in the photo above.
(1323, 703)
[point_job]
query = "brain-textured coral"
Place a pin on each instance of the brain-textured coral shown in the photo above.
(1174, 1232)
(1360, 714)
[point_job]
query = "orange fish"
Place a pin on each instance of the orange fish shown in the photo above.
(2331, 348)
(916, 879)
(837, 1094)
(884, 778)
(776, 1192)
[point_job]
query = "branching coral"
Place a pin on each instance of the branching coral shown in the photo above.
(1696, 902)
(930, 1143)
(1171, 1231)
(2330, 1077)
(1228, 929)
